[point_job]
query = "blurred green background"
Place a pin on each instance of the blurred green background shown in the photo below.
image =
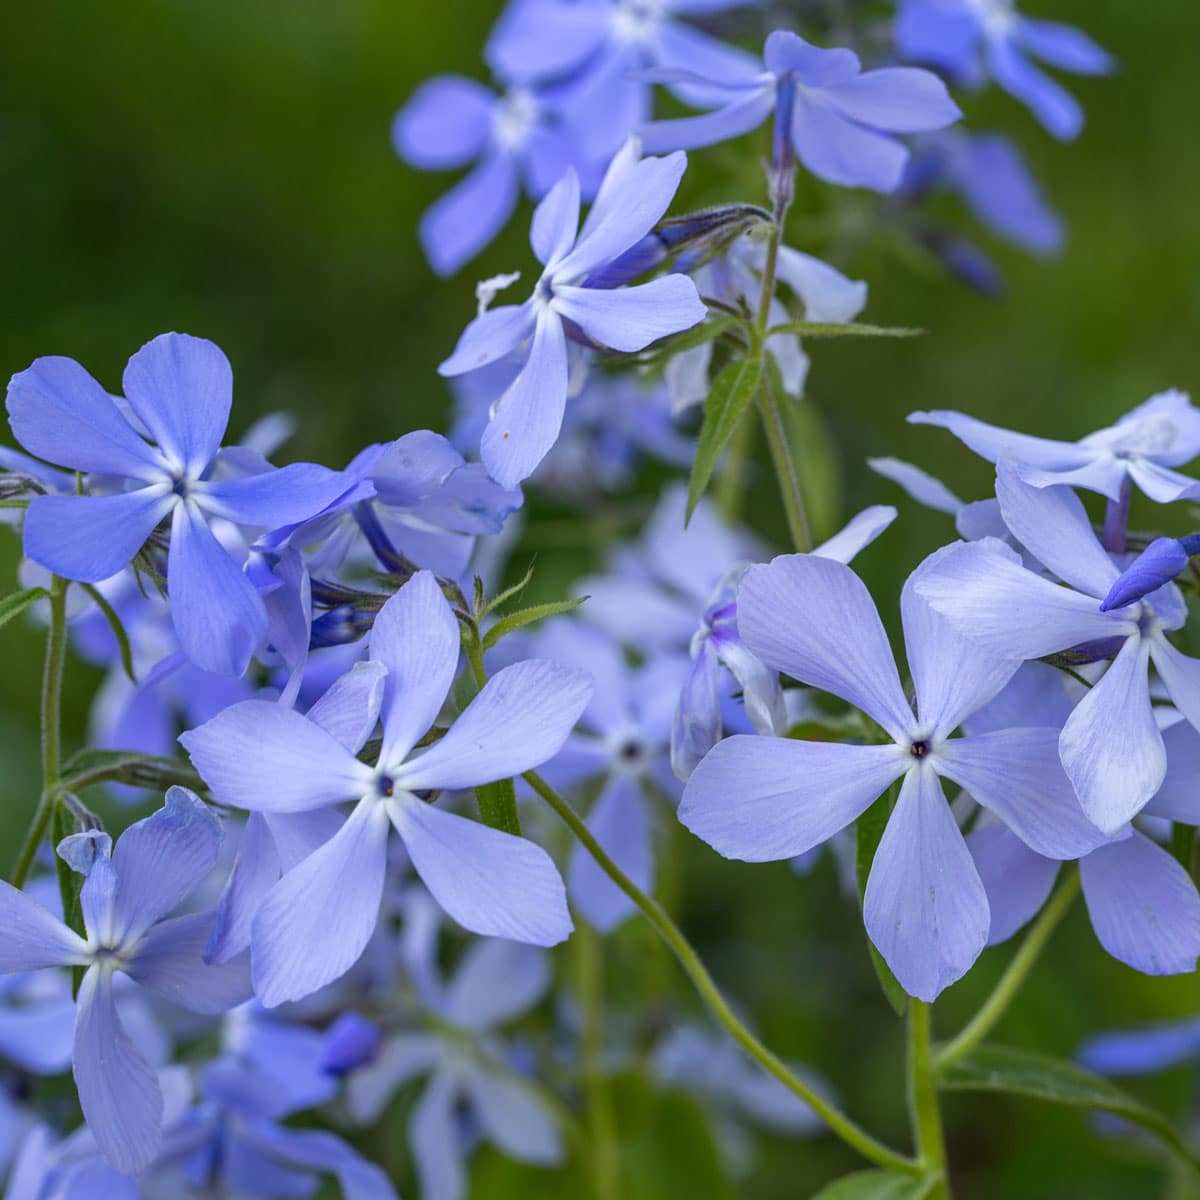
(225, 170)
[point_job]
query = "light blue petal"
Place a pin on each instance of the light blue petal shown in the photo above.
(324, 1151)
(169, 959)
(457, 226)
(261, 756)
(433, 1135)
(840, 151)
(445, 124)
(762, 799)
(490, 882)
(33, 937)
(255, 871)
(556, 220)
(630, 318)
(92, 537)
(1143, 1051)
(161, 858)
(181, 387)
(1063, 46)
(514, 1118)
(316, 921)
(415, 637)
(118, 1089)
(282, 496)
(1143, 905)
(1017, 881)
(490, 336)
(404, 1056)
(60, 413)
(349, 709)
(898, 99)
(925, 908)
(520, 718)
(1053, 105)
(497, 981)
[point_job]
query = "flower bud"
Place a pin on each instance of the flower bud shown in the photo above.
(1163, 560)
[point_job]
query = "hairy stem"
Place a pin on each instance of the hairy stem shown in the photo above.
(1002, 995)
(854, 1136)
(923, 1102)
(51, 723)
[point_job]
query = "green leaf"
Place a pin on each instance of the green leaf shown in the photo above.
(727, 402)
(868, 830)
(498, 806)
(830, 329)
(116, 625)
(508, 593)
(14, 605)
(877, 1185)
(526, 616)
(1027, 1073)
(151, 771)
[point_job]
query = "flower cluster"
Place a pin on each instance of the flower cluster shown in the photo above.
(355, 727)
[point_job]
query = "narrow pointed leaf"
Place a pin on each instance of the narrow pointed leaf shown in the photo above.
(116, 625)
(1026, 1073)
(877, 1185)
(498, 806)
(526, 616)
(831, 329)
(14, 605)
(731, 395)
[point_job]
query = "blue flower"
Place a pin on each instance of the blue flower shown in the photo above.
(496, 982)
(450, 122)
(593, 54)
(178, 390)
(830, 114)
(1165, 559)
(716, 643)
(527, 417)
(967, 38)
(1143, 906)
(314, 923)
(1142, 448)
(126, 901)
(1143, 1051)
(1111, 745)
(762, 799)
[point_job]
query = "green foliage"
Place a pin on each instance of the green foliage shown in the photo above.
(831, 329)
(876, 1185)
(498, 806)
(14, 605)
(731, 394)
(117, 626)
(526, 616)
(1027, 1073)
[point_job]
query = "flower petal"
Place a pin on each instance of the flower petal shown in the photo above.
(1063, 46)
(445, 124)
(520, 718)
(814, 619)
(839, 151)
(118, 1089)
(416, 638)
(899, 99)
(528, 416)
(404, 1056)
(434, 1137)
(496, 981)
(159, 859)
(1144, 1051)
(857, 534)
(925, 908)
(1017, 881)
(33, 937)
(1016, 774)
(218, 614)
(514, 1117)
(261, 756)
(169, 960)
(314, 924)
(60, 413)
(1143, 905)
(281, 496)
(489, 337)
(349, 709)
(1052, 104)
(1051, 523)
(630, 318)
(761, 799)
(1111, 746)
(993, 443)
(693, 133)
(91, 538)
(920, 485)
(490, 882)
(556, 220)
(458, 225)
(181, 388)
(1179, 799)
(619, 821)
(1180, 675)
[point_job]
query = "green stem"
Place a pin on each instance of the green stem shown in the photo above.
(1010, 982)
(768, 402)
(854, 1136)
(602, 1125)
(51, 722)
(497, 801)
(923, 1102)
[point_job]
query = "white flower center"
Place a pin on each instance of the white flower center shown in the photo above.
(513, 119)
(636, 21)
